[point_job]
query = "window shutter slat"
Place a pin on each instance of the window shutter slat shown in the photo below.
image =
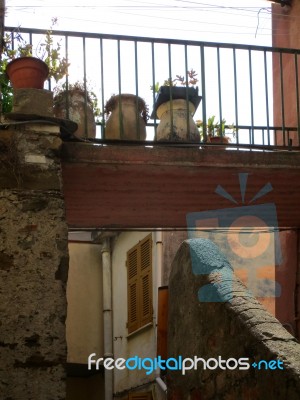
(133, 303)
(132, 263)
(146, 299)
(146, 254)
(132, 290)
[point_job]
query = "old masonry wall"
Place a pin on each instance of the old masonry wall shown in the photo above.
(33, 263)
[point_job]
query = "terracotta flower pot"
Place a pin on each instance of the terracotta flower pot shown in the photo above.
(27, 72)
(221, 141)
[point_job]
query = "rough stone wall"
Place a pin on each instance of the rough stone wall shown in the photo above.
(237, 328)
(33, 265)
(171, 242)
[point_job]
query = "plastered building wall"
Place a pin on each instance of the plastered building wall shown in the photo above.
(84, 324)
(142, 343)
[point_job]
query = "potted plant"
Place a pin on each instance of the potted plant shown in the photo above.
(6, 92)
(215, 131)
(28, 68)
(175, 106)
(126, 117)
(77, 102)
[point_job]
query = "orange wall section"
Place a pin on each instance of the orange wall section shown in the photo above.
(286, 34)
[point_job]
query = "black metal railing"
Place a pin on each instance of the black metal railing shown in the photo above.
(254, 89)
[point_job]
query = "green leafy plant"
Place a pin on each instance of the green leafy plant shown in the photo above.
(6, 92)
(215, 128)
(191, 80)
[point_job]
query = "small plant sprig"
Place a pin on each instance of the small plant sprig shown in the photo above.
(215, 128)
(192, 80)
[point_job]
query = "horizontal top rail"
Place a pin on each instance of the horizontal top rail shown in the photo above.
(155, 40)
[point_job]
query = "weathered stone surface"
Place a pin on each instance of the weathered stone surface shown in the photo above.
(33, 101)
(33, 268)
(33, 249)
(235, 329)
(30, 159)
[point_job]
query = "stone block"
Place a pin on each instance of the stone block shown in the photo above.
(43, 128)
(33, 101)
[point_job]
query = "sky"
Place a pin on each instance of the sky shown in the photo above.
(240, 21)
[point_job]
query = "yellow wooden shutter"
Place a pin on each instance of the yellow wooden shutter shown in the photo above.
(146, 281)
(133, 289)
(139, 273)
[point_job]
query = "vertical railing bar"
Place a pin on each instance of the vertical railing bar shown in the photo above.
(119, 90)
(36, 55)
(267, 96)
(187, 91)
(235, 96)
(136, 90)
(250, 134)
(202, 56)
(171, 95)
(12, 39)
(282, 98)
(220, 93)
(85, 88)
(153, 84)
(102, 88)
(67, 80)
(297, 96)
(251, 97)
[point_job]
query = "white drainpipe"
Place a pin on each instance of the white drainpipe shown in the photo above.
(161, 384)
(159, 266)
(158, 257)
(107, 314)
